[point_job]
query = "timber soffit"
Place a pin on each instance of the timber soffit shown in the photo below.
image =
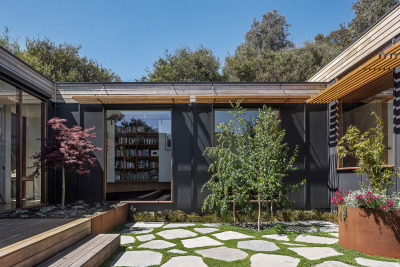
(167, 93)
(373, 39)
(378, 66)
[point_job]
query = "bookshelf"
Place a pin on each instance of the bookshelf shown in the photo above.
(136, 153)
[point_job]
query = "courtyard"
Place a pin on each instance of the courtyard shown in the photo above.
(303, 243)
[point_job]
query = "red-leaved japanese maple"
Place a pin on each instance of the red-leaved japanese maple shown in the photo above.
(67, 149)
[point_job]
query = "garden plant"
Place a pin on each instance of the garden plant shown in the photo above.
(249, 163)
(66, 149)
(368, 149)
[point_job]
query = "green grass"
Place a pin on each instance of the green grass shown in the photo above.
(348, 256)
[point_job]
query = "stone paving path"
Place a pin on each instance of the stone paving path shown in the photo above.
(196, 245)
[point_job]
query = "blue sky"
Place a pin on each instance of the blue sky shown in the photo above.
(128, 36)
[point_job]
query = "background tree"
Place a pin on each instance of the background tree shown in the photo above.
(339, 38)
(185, 65)
(67, 148)
(271, 33)
(367, 12)
(60, 63)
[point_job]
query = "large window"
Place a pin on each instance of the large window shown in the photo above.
(21, 129)
(359, 114)
(139, 155)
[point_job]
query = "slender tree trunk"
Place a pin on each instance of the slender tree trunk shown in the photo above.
(234, 212)
(63, 189)
(272, 208)
(259, 211)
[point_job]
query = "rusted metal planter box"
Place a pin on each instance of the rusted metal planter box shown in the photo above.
(106, 221)
(370, 231)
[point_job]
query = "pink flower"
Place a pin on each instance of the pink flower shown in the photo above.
(390, 204)
(383, 208)
(366, 200)
(373, 197)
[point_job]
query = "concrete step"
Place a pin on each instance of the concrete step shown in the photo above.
(90, 251)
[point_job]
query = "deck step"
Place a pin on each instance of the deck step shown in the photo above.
(36, 249)
(90, 251)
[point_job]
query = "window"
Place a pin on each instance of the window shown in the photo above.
(21, 113)
(139, 155)
(359, 115)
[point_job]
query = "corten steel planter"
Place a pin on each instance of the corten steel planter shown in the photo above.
(370, 231)
(106, 221)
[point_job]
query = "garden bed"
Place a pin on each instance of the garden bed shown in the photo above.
(370, 231)
(78, 209)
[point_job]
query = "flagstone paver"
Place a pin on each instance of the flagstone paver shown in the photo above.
(205, 230)
(185, 261)
(177, 251)
(223, 253)
(329, 229)
(202, 241)
(307, 229)
(176, 233)
(136, 231)
(178, 225)
(375, 263)
(296, 245)
(277, 237)
(143, 238)
(333, 264)
(257, 245)
(334, 234)
(127, 239)
(212, 224)
(316, 239)
(157, 244)
(261, 260)
(145, 224)
(315, 253)
(140, 258)
(230, 235)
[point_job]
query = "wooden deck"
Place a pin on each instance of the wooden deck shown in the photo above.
(27, 242)
(15, 230)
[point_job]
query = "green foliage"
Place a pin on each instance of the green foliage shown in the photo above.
(368, 12)
(288, 65)
(185, 65)
(368, 149)
(271, 33)
(60, 63)
(339, 38)
(250, 161)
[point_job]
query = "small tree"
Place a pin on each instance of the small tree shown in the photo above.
(368, 149)
(66, 149)
(250, 161)
(227, 184)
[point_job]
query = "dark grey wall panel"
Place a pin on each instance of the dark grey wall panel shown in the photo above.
(91, 187)
(71, 113)
(203, 131)
(317, 156)
(293, 122)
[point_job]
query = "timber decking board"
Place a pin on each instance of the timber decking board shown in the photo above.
(37, 248)
(90, 251)
(15, 230)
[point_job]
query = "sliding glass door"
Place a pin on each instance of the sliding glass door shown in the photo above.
(21, 130)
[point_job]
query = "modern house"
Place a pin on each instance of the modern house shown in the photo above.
(153, 135)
